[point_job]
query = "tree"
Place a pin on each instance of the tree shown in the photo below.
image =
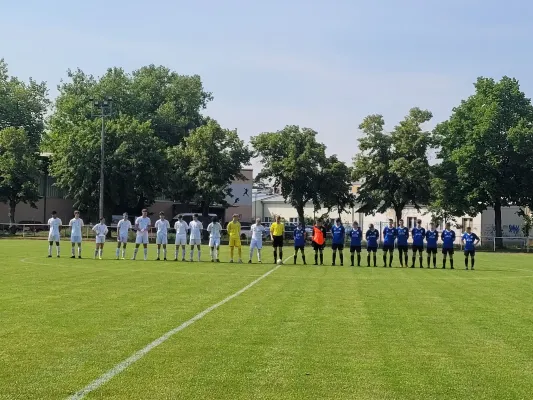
(393, 169)
(293, 159)
(171, 102)
(485, 148)
(22, 105)
(335, 186)
(134, 159)
(202, 169)
(19, 171)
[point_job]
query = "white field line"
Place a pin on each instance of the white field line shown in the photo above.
(117, 369)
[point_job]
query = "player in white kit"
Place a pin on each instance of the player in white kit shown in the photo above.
(123, 231)
(257, 240)
(76, 225)
(100, 230)
(195, 239)
(55, 226)
(181, 228)
(142, 226)
(162, 226)
(214, 229)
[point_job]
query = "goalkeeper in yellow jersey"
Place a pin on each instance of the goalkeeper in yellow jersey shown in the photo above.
(234, 232)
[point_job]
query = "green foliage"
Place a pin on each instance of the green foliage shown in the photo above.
(485, 148)
(19, 172)
(22, 105)
(134, 159)
(203, 168)
(528, 221)
(293, 160)
(393, 169)
(336, 183)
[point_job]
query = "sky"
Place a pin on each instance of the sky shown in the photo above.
(314, 63)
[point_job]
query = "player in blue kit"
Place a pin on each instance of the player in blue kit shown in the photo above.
(338, 232)
(419, 234)
(432, 236)
(389, 236)
(470, 241)
(372, 237)
(356, 234)
(299, 242)
(448, 239)
(402, 234)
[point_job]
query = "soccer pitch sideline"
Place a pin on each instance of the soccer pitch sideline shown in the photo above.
(69, 328)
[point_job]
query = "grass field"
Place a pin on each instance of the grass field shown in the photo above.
(302, 332)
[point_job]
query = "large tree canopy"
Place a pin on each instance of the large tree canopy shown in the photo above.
(22, 105)
(19, 172)
(393, 169)
(202, 169)
(485, 149)
(296, 162)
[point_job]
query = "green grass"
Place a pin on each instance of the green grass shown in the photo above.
(303, 332)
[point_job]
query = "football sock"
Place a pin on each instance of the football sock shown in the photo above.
(384, 258)
(231, 251)
(79, 251)
(451, 262)
(176, 252)
(164, 253)
(295, 256)
(358, 259)
(135, 252)
(352, 258)
(258, 254)
(216, 253)
(95, 253)
(391, 256)
(73, 251)
(341, 256)
(334, 256)
(183, 252)
(406, 259)
(472, 262)
(429, 261)
(316, 257)
(192, 254)
(375, 259)
(303, 258)
(57, 247)
(117, 252)
(434, 260)
(420, 260)
(401, 258)
(100, 252)
(199, 254)
(49, 250)
(275, 256)
(321, 258)
(466, 261)
(444, 262)
(158, 252)
(145, 253)
(251, 253)
(239, 251)
(281, 254)
(123, 252)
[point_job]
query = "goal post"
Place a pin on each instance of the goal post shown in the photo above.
(513, 243)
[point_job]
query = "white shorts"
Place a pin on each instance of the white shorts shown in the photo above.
(53, 237)
(193, 242)
(142, 238)
(214, 242)
(161, 238)
(122, 238)
(181, 240)
(256, 244)
(75, 239)
(100, 239)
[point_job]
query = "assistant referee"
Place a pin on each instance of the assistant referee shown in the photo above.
(277, 230)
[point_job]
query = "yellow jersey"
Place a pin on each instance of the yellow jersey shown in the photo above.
(277, 229)
(234, 229)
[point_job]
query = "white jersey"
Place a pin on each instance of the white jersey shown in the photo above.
(123, 227)
(257, 231)
(214, 230)
(55, 224)
(76, 224)
(181, 228)
(100, 230)
(142, 224)
(196, 228)
(162, 226)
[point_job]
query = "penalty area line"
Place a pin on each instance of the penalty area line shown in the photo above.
(117, 369)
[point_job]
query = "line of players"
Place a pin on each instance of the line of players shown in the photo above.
(393, 237)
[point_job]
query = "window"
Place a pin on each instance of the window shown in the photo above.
(411, 222)
(467, 222)
(293, 220)
(267, 219)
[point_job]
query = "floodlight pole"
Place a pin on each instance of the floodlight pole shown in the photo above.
(105, 109)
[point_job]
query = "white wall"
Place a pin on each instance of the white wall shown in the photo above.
(511, 222)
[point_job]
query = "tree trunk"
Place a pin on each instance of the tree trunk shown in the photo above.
(398, 213)
(498, 224)
(300, 211)
(12, 207)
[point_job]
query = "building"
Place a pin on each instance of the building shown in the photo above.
(53, 198)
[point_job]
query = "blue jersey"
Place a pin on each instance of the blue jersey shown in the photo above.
(402, 234)
(448, 238)
(299, 237)
(372, 238)
(431, 239)
(419, 234)
(338, 233)
(356, 235)
(389, 235)
(469, 239)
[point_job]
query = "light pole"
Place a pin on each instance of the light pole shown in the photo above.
(102, 109)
